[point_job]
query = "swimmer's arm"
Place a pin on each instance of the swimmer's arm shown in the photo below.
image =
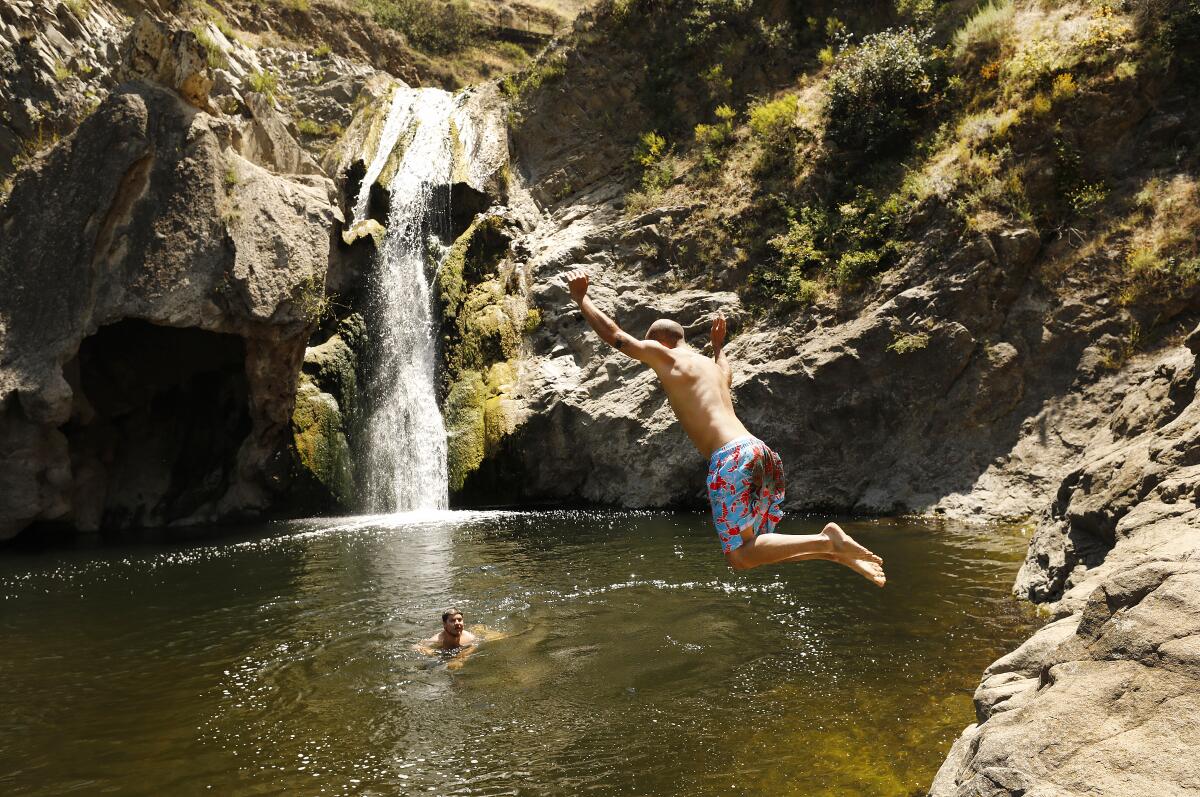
(460, 658)
(650, 352)
(718, 344)
(428, 646)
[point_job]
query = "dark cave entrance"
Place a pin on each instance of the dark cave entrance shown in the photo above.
(159, 416)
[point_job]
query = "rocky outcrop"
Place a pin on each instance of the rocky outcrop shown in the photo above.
(1105, 699)
(57, 62)
(935, 397)
(157, 221)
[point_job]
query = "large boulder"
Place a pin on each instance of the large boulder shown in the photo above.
(167, 297)
(1106, 700)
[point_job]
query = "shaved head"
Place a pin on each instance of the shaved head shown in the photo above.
(666, 332)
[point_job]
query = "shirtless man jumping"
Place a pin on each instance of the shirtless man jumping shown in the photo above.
(745, 477)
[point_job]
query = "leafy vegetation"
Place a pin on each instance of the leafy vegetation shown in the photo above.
(909, 342)
(265, 83)
(433, 27)
(215, 55)
(877, 89)
(773, 123)
(824, 150)
(713, 139)
(986, 32)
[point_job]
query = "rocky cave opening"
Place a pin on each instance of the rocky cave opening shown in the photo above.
(159, 416)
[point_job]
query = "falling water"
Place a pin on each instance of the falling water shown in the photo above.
(406, 439)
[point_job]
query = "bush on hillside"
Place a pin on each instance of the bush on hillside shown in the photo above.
(433, 27)
(876, 89)
(773, 123)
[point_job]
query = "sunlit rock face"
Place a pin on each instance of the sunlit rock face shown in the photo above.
(155, 217)
(1104, 700)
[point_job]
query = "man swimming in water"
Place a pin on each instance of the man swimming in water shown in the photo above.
(452, 636)
(745, 477)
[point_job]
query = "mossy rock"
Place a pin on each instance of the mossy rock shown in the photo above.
(465, 428)
(333, 365)
(474, 256)
(320, 439)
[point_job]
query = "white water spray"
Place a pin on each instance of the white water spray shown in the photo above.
(406, 439)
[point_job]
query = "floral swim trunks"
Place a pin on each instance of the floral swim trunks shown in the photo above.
(745, 487)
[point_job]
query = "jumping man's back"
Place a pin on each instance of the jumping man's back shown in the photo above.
(698, 389)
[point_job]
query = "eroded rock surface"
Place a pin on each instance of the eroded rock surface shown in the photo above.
(1106, 699)
(156, 219)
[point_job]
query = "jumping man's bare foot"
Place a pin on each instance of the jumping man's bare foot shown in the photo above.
(844, 545)
(871, 571)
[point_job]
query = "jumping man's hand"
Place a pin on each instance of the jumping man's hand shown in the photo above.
(577, 284)
(718, 331)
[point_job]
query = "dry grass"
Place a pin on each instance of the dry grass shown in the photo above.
(1163, 257)
(989, 29)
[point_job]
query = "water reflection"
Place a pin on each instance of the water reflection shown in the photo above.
(635, 662)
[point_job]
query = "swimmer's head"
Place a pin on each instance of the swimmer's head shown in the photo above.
(452, 621)
(667, 332)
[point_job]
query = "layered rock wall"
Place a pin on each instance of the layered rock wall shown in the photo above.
(1105, 700)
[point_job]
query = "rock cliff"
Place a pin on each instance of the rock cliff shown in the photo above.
(999, 369)
(154, 383)
(1104, 700)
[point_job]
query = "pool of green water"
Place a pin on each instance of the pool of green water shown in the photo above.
(631, 660)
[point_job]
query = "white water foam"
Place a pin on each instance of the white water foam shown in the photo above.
(406, 438)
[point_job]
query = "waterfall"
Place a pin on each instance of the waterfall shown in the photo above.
(406, 439)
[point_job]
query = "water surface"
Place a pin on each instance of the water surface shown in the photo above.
(280, 659)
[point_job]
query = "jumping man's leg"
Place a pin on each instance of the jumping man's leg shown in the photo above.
(832, 544)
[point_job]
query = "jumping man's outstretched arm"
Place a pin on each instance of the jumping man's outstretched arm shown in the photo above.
(650, 352)
(718, 344)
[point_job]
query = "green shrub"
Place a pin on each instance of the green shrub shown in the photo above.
(659, 176)
(713, 139)
(774, 122)
(805, 291)
(309, 128)
(511, 52)
(216, 18)
(543, 71)
(904, 344)
(1084, 196)
(1178, 30)
(650, 149)
(216, 56)
(433, 27)
(876, 89)
(855, 267)
(719, 84)
(322, 50)
(265, 83)
(801, 246)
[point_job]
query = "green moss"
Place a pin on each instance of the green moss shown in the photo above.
(483, 326)
(459, 166)
(465, 428)
(215, 55)
(320, 440)
(471, 258)
(308, 127)
(904, 344)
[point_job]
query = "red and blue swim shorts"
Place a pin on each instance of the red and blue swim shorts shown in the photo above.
(745, 488)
